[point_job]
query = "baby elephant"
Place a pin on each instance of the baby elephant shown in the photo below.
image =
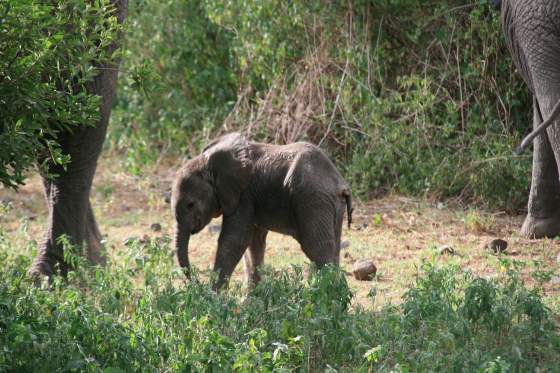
(291, 189)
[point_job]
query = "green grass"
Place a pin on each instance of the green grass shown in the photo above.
(139, 314)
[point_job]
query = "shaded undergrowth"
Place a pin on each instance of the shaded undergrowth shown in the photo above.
(415, 97)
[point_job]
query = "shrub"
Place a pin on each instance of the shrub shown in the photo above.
(417, 97)
(139, 313)
(49, 53)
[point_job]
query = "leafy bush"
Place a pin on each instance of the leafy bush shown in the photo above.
(190, 80)
(49, 53)
(140, 313)
(417, 97)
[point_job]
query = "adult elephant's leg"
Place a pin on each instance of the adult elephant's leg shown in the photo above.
(68, 200)
(254, 257)
(543, 217)
(70, 212)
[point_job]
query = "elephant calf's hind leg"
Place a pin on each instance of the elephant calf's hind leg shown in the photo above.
(254, 257)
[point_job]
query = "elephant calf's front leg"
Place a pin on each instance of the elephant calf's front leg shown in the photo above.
(232, 243)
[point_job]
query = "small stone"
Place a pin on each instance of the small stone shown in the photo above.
(344, 244)
(364, 270)
(446, 250)
(215, 228)
(555, 280)
(497, 246)
(156, 227)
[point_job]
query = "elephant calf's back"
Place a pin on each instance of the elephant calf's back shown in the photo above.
(312, 171)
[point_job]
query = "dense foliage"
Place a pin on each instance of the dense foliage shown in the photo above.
(139, 314)
(417, 97)
(48, 53)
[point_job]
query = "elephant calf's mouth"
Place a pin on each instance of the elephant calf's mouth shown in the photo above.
(197, 229)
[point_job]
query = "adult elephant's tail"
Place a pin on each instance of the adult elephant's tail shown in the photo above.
(537, 131)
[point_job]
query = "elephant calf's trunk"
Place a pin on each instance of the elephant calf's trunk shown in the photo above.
(182, 236)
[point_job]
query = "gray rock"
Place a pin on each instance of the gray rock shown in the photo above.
(364, 270)
(497, 246)
(156, 227)
(344, 244)
(215, 228)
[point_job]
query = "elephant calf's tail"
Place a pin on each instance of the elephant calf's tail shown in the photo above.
(349, 209)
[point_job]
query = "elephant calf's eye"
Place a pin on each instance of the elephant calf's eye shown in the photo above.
(190, 205)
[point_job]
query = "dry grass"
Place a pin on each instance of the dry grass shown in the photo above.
(397, 233)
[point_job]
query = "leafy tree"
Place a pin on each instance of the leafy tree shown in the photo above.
(48, 54)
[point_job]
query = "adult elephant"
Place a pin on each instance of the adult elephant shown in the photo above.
(532, 31)
(69, 208)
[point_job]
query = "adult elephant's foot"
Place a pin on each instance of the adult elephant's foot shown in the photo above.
(534, 227)
(46, 265)
(40, 269)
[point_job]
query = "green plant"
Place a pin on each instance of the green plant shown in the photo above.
(139, 313)
(49, 54)
(478, 222)
(189, 75)
(407, 96)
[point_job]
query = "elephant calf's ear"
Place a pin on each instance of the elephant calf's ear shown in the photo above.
(231, 166)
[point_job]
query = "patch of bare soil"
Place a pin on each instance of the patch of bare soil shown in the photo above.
(395, 232)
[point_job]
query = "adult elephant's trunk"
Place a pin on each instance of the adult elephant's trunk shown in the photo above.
(182, 235)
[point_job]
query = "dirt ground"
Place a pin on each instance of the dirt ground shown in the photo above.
(397, 233)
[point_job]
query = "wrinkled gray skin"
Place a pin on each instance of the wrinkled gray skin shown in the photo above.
(291, 189)
(532, 30)
(67, 196)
